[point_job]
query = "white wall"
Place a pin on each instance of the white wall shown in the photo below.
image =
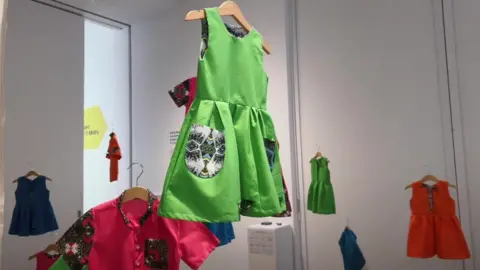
(3, 25)
(44, 116)
(107, 86)
(164, 54)
(370, 99)
(467, 42)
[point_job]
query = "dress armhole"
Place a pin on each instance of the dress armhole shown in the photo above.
(235, 30)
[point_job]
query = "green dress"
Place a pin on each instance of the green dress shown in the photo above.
(321, 199)
(226, 162)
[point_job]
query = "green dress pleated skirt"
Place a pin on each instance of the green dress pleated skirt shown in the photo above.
(321, 198)
(226, 161)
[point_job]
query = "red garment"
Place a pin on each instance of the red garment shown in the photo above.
(183, 94)
(114, 153)
(434, 227)
(130, 235)
(192, 93)
(45, 260)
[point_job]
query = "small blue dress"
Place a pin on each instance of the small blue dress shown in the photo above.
(33, 213)
(352, 255)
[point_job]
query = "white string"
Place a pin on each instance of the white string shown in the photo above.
(30, 165)
(427, 167)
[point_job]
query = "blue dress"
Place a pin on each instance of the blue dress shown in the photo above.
(352, 255)
(33, 213)
(223, 231)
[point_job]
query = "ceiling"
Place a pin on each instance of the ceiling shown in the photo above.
(126, 11)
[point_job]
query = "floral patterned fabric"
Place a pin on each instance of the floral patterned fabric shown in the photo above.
(102, 239)
(205, 151)
(180, 94)
(76, 243)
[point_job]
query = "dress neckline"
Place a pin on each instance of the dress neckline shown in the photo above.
(225, 28)
(32, 180)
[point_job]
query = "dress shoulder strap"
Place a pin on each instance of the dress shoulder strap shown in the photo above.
(19, 180)
(324, 162)
(416, 185)
(444, 184)
(314, 168)
(43, 180)
(214, 20)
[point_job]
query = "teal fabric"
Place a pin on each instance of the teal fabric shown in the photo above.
(352, 255)
(223, 231)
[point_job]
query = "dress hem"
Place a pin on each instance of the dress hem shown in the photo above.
(190, 217)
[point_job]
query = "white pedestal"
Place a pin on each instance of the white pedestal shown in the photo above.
(270, 247)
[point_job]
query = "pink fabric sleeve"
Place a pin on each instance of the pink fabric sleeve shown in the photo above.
(196, 242)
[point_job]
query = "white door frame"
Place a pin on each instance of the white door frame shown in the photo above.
(451, 114)
(299, 222)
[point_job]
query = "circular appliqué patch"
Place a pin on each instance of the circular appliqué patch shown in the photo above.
(205, 151)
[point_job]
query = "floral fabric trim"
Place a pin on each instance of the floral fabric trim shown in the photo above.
(145, 216)
(76, 243)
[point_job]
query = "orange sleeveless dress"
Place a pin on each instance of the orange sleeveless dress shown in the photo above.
(434, 227)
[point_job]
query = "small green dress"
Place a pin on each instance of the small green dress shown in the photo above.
(321, 199)
(226, 161)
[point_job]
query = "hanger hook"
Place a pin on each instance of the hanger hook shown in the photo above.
(141, 166)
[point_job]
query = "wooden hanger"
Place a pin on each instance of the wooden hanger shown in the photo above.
(49, 248)
(432, 178)
(318, 154)
(32, 173)
(32, 256)
(227, 8)
(140, 193)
